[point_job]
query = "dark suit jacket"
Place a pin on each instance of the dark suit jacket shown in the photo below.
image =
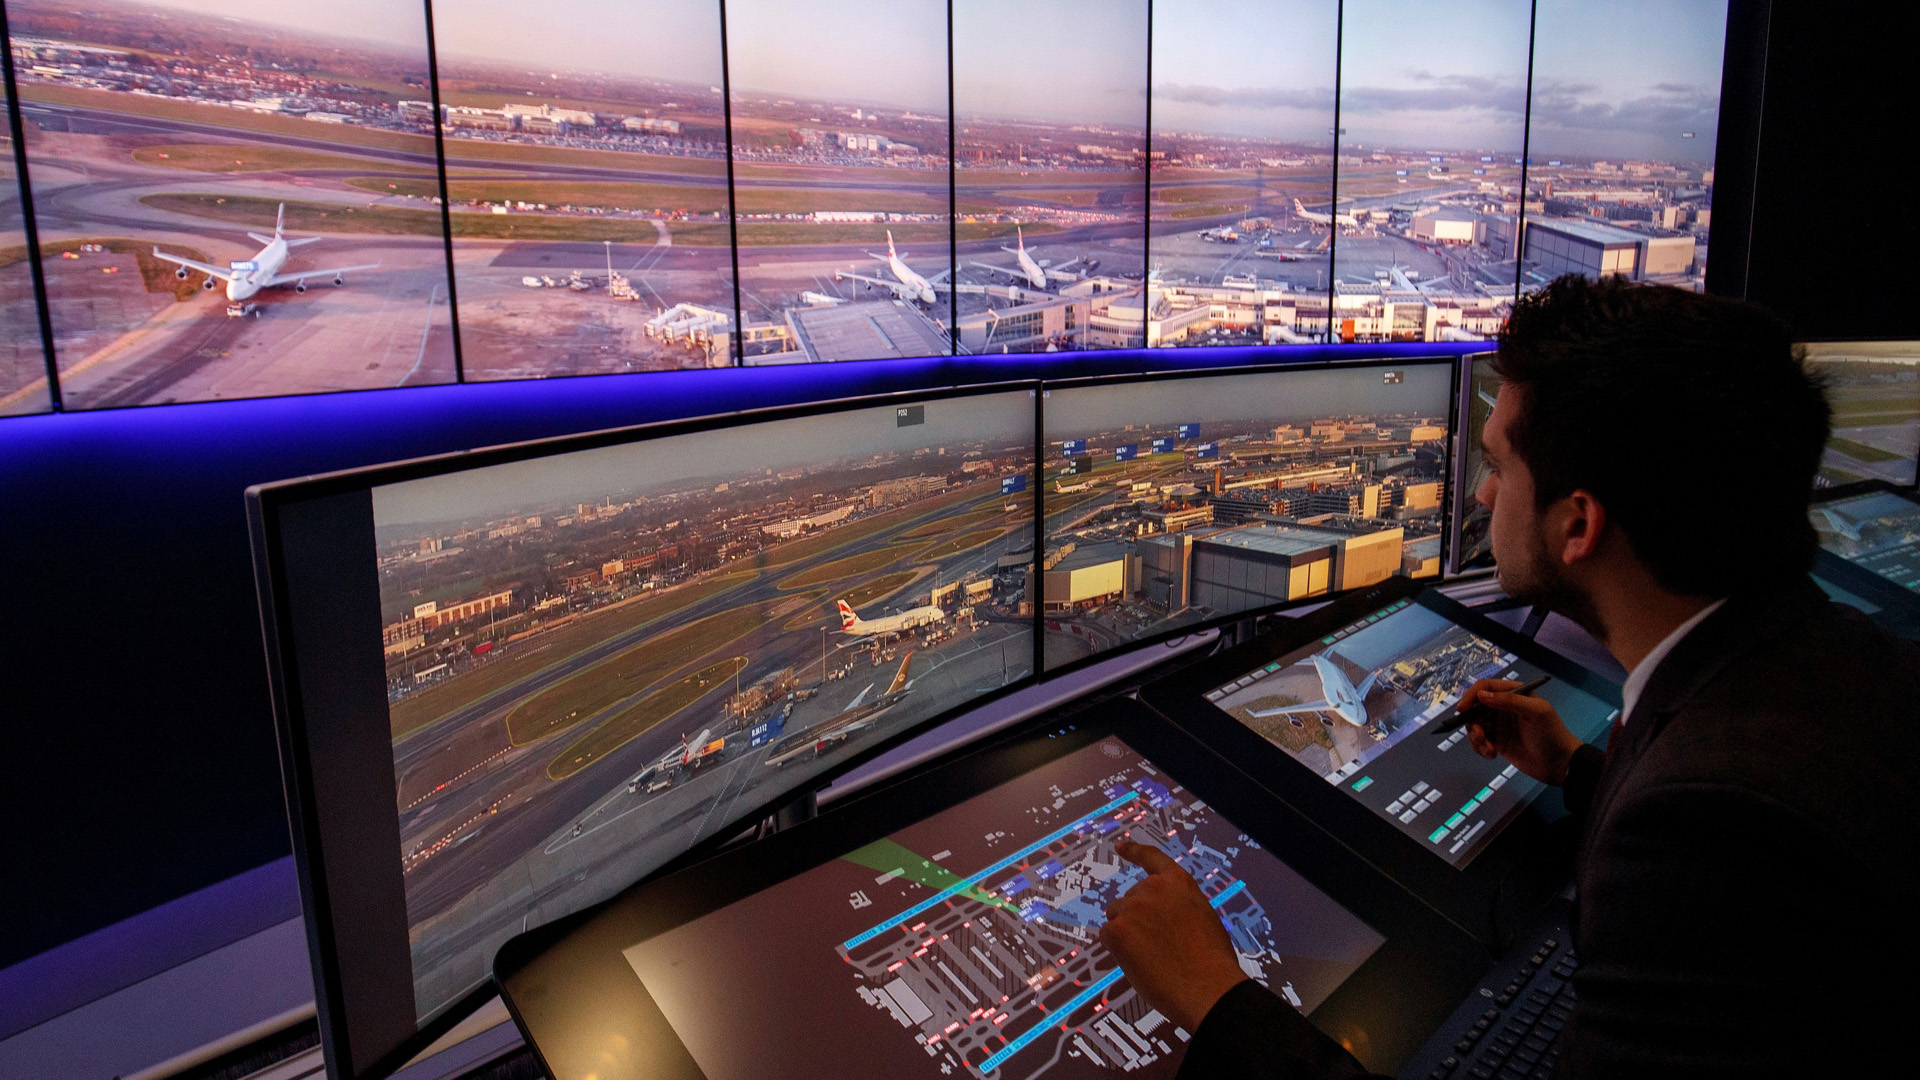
(1748, 874)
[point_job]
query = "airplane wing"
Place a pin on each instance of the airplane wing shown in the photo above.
(1293, 710)
(195, 264)
(282, 279)
(1000, 270)
(858, 698)
(892, 286)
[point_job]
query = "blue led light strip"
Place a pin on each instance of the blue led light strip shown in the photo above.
(1228, 893)
(1058, 1017)
(947, 893)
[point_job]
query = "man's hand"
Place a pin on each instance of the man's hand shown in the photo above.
(1169, 940)
(1525, 730)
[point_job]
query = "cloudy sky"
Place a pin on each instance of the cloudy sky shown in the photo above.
(662, 465)
(1626, 78)
(677, 40)
(1065, 61)
(1245, 67)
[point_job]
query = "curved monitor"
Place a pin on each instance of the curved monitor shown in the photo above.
(1172, 502)
(512, 682)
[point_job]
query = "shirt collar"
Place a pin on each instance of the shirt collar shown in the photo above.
(1643, 671)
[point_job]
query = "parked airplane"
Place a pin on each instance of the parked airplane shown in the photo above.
(851, 623)
(689, 752)
(1338, 695)
(1030, 270)
(246, 278)
(1839, 522)
(1319, 218)
(908, 284)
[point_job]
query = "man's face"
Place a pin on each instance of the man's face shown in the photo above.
(1528, 571)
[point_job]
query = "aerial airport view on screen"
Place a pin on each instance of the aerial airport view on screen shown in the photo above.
(1355, 709)
(596, 659)
(1879, 531)
(967, 944)
(1474, 527)
(213, 197)
(1173, 501)
(23, 366)
(587, 182)
(1874, 388)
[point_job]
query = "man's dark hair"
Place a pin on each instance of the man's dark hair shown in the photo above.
(1691, 418)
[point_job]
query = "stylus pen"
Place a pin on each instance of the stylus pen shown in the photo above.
(1473, 713)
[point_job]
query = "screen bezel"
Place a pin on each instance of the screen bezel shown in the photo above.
(1460, 497)
(348, 939)
(1217, 621)
(1490, 897)
(1900, 607)
(572, 993)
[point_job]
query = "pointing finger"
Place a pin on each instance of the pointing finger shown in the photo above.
(1147, 857)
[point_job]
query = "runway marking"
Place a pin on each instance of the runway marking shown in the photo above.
(411, 862)
(433, 297)
(456, 778)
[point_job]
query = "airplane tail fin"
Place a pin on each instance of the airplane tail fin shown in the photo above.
(847, 617)
(280, 220)
(890, 251)
(1297, 208)
(1020, 238)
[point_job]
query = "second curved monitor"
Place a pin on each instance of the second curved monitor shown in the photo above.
(1175, 501)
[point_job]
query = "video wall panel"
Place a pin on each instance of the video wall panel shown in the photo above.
(911, 179)
(224, 203)
(1050, 174)
(840, 179)
(587, 185)
(1433, 118)
(1626, 107)
(1243, 119)
(23, 363)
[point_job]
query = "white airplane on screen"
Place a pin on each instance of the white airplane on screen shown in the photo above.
(1839, 523)
(1033, 272)
(1319, 218)
(908, 284)
(1338, 695)
(244, 279)
(909, 619)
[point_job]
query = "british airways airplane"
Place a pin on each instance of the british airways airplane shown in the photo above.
(244, 279)
(907, 284)
(1338, 695)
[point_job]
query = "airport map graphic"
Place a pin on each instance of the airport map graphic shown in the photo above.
(980, 957)
(1355, 708)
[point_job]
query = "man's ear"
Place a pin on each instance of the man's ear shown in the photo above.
(1576, 526)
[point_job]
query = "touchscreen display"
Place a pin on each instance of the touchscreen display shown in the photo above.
(1878, 532)
(968, 942)
(1355, 707)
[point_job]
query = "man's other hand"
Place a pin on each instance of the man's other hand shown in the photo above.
(1525, 730)
(1169, 940)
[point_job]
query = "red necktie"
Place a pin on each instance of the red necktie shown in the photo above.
(1613, 737)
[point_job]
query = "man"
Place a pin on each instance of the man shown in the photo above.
(1746, 876)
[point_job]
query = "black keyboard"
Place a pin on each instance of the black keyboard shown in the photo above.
(1509, 1026)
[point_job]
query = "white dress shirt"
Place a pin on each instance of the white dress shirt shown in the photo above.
(1642, 672)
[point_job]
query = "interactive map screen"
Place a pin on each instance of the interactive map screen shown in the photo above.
(1355, 707)
(967, 944)
(596, 659)
(1878, 532)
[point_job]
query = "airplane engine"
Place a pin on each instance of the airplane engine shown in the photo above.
(208, 284)
(339, 279)
(299, 286)
(181, 273)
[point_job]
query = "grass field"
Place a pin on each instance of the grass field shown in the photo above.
(525, 658)
(578, 698)
(406, 221)
(642, 716)
(852, 565)
(794, 551)
(952, 524)
(156, 276)
(1860, 451)
(964, 542)
(929, 236)
(1207, 210)
(1199, 193)
(240, 157)
(788, 200)
(624, 196)
(239, 120)
(859, 596)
